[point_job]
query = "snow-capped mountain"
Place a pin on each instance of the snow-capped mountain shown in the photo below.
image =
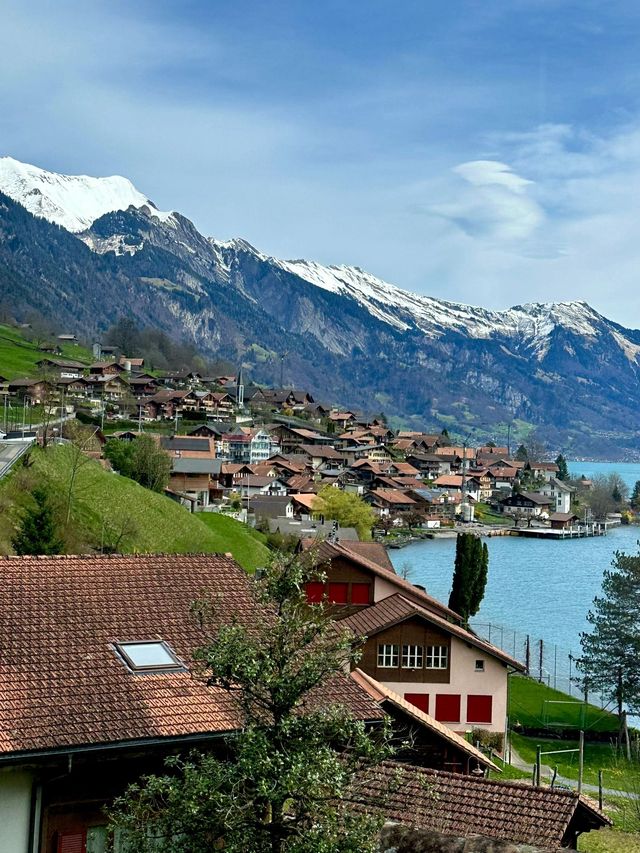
(72, 201)
(348, 336)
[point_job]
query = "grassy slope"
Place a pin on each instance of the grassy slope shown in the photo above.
(618, 774)
(18, 357)
(152, 522)
(526, 697)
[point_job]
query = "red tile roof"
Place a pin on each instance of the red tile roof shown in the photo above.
(61, 683)
(463, 805)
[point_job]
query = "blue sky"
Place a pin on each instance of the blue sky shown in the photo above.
(486, 151)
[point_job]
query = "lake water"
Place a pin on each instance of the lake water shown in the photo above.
(543, 588)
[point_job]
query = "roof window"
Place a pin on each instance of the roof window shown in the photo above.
(149, 656)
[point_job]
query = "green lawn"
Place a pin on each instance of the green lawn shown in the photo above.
(619, 774)
(107, 507)
(18, 357)
(527, 708)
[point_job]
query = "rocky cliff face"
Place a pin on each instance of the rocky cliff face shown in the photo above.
(349, 336)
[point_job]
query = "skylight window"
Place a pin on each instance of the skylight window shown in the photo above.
(149, 656)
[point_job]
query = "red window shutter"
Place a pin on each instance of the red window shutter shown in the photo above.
(315, 592)
(448, 708)
(338, 593)
(479, 709)
(72, 842)
(360, 593)
(420, 700)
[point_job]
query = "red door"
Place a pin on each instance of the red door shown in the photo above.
(420, 700)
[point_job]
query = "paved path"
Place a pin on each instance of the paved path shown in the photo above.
(547, 773)
(10, 452)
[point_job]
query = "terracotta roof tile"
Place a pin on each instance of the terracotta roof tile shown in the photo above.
(61, 683)
(463, 805)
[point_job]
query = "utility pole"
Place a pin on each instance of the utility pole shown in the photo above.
(509, 439)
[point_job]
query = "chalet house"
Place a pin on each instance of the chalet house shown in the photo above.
(290, 438)
(430, 465)
(322, 456)
(559, 492)
(183, 379)
(502, 476)
(530, 504)
(342, 419)
(546, 470)
(215, 429)
(110, 386)
(33, 390)
(110, 693)
(390, 501)
(61, 368)
(197, 478)
(79, 387)
(143, 386)
(164, 404)
(102, 368)
(415, 645)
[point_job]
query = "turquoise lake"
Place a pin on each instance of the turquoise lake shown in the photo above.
(542, 588)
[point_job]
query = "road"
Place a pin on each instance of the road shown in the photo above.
(10, 452)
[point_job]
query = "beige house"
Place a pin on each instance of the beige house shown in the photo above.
(415, 645)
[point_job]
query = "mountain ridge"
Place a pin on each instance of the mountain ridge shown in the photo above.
(350, 336)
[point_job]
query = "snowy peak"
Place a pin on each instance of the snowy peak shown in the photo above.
(530, 325)
(72, 201)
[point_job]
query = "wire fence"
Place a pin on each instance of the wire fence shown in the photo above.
(548, 663)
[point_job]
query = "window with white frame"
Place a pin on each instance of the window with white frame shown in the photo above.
(412, 657)
(437, 657)
(388, 655)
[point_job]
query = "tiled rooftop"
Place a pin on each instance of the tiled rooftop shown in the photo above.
(61, 683)
(462, 805)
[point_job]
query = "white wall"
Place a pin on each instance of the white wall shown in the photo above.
(15, 810)
(466, 681)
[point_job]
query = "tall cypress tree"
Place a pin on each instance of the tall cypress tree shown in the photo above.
(38, 533)
(469, 575)
(563, 468)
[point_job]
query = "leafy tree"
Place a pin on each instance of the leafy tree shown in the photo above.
(142, 460)
(606, 494)
(82, 441)
(610, 653)
(38, 532)
(470, 573)
(348, 509)
(563, 468)
(281, 785)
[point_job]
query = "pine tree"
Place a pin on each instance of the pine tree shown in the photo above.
(521, 454)
(610, 652)
(563, 469)
(37, 533)
(635, 496)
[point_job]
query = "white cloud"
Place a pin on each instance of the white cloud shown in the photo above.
(490, 202)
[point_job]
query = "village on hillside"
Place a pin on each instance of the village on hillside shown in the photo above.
(263, 454)
(324, 485)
